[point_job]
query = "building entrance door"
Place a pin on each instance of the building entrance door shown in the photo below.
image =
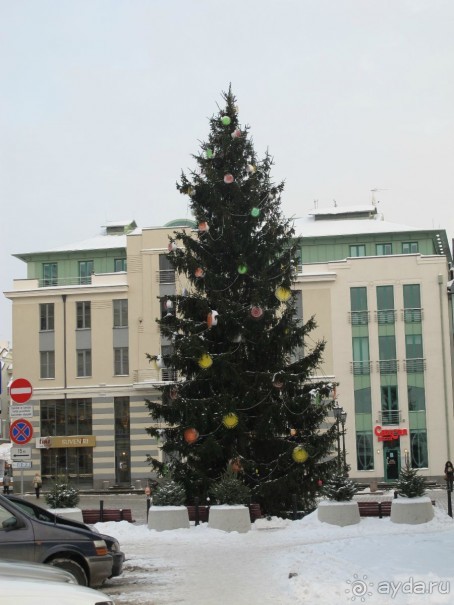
(392, 462)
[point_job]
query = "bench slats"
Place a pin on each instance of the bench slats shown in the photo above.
(109, 514)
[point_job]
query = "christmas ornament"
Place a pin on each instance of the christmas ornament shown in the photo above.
(228, 178)
(191, 435)
(199, 272)
(226, 120)
(293, 432)
(190, 191)
(283, 294)
(212, 319)
(236, 134)
(205, 361)
(230, 420)
(251, 168)
(208, 153)
(299, 454)
(203, 226)
(320, 483)
(237, 338)
(172, 247)
(160, 362)
(242, 269)
(235, 465)
(169, 305)
(277, 383)
(184, 292)
(255, 212)
(256, 312)
(173, 394)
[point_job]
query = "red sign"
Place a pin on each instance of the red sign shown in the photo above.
(20, 390)
(21, 431)
(389, 434)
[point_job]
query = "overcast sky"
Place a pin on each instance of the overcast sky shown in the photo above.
(102, 103)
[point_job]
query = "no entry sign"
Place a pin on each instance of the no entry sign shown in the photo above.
(21, 431)
(20, 390)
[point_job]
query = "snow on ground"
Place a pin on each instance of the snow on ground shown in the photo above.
(284, 562)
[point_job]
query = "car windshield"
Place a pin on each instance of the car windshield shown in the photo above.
(32, 511)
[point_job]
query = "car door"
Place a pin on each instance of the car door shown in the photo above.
(16, 535)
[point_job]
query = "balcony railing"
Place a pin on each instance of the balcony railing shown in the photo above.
(359, 318)
(386, 316)
(389, 416)
(64, 281)
(151, 375)
(412, 315)
(358, 368)
(388, 366)
(166, 276)
(415, 365)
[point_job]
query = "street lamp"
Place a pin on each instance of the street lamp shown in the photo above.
(343, 420)
(338, 411)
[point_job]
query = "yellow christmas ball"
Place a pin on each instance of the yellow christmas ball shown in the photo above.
(230, 420)
(205, 361)
(299, 454)
(283, 294)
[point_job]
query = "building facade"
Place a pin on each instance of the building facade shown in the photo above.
(84, 321)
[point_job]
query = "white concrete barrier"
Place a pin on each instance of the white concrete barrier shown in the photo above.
(162, 518)
(230, 518)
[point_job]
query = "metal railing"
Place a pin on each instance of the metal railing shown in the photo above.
(414, 365)
(165, 276)
(389, 416)
(359, 318)
(388, 366)
(358, 368)
(412, 315)
(385, 316)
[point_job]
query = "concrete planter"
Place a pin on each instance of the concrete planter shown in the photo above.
(412, 510)
(338, 513)
(162, 518)
(230, 518)
(69, 513)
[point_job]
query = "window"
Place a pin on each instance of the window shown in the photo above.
(413, 346)
(121, 361)
(120, 264)
(83, 315)
(387, 354)
(385, 305)
(46, 317)
(363, 401)
(166, 270)
(358, 250)
(70, 417)
(120, 313)
(50, 274)
(83, 362)
(410, 247)
(384, 249)
(85, 271)
(418, 444)
(47, 364)
(364, 451)
(358, 305)
(416, 398)
(412, 303)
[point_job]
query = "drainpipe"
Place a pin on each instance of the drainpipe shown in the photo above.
(441, 281)
(65, 375)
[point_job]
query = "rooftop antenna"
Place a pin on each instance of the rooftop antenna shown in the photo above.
(374, 191)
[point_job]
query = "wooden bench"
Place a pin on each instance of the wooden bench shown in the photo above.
(255, 512)
(203, 513)
(108, 514)
(376, 509)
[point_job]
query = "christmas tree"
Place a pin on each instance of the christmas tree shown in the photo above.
(246, 396)
(410, 484)
(339, 488)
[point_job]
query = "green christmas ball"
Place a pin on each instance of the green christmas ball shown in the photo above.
(255, 212)
(209, 153)
(242, 269)
(226, 120)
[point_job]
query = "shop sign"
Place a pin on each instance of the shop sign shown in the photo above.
(389, 434)
(74, 441)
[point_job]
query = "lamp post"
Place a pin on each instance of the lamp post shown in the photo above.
(343, 420)
(337, 415)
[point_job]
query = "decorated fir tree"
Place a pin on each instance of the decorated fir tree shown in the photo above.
(169, 493)
(410, 484)
(246, 395)
(339, 488)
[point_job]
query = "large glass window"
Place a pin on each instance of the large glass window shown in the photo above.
(120, 264)
(410, 247)
(363, 401)
(50, 274)
(122, 441)
(416, 398)
(413, 346)
(385, 304)
(85, 271)
(358, 305)
(387, 354)
(46, 317)
(419, 453)
(47, 364)
(357, 250)
(412, 303)
(383, 249)
(364, 451)
(83, 362)
(65, 418)
(83, 314)
(121, 361)
(120, 313)
(166, 270)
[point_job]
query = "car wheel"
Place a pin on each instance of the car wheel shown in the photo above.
(74, 568)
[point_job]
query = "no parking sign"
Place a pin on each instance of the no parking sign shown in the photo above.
(21, 431)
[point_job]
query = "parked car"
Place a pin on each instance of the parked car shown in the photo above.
(33, 571)
(43, 514)
(35, 592)
(80, 551)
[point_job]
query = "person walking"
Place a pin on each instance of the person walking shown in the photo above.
(6, 483)
(37, 483)
(449, 475)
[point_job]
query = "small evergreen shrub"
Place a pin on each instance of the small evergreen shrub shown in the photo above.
(339, 489)
(230, 490)
(169, 493)
(62, 495)
(410, 484)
